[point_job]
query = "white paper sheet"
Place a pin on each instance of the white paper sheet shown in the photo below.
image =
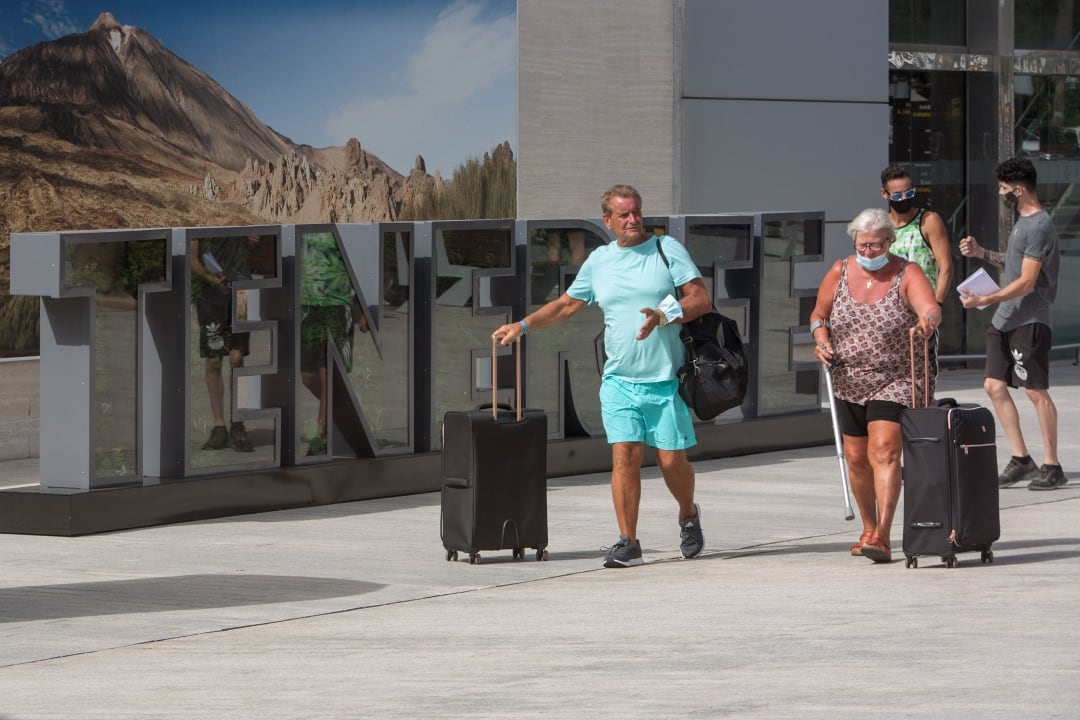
(978, 283)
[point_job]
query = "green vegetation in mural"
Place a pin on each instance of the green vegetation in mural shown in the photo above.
(480, 189)
(18, 325)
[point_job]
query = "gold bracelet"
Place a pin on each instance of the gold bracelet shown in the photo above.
(663, 317)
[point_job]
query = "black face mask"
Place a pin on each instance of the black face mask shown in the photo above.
(1010, 199)
(901, 207)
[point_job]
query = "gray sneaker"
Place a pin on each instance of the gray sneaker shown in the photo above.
(624, 553)
(690, 534)
(1051, 477)
(1017, 471)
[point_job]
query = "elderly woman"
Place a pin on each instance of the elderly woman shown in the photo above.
(868, 306)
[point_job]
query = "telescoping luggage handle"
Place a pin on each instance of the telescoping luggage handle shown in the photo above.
(925, 369)
(495, 377)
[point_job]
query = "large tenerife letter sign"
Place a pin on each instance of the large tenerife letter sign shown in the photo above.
(190, 352)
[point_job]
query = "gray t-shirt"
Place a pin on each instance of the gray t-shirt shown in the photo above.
(1034, 237)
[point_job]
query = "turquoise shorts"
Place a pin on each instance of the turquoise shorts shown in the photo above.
(650, 413)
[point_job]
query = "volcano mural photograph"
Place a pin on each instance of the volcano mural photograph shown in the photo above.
(208, 114)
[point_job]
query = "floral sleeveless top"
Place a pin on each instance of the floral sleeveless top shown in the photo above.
(873, 345)
(911, 245)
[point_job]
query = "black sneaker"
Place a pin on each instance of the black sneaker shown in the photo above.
(624, 553)
(238, 438)
(690, 533)
(219, 438)
(1051, 477)
(1016, 471)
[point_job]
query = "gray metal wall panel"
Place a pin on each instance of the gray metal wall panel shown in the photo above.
(39, 258)
(162, 319)
(596, 98)
(67, 392)
(744, 156)
(822, 50)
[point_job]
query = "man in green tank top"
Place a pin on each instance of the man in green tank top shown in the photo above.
(326, 301)
(920, 234)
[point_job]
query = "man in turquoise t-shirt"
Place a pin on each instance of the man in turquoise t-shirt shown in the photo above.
(639, 395)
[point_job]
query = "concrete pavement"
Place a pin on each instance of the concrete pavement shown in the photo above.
(351, 610)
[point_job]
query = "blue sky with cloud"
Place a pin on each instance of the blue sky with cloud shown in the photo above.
(435, 78)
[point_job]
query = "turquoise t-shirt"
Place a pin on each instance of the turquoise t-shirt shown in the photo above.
(622, 281)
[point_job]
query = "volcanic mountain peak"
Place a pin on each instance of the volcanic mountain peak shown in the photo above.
(117, 33)
(105, 21)
(118, 72)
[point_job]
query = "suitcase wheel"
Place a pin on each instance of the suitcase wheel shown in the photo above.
(987, 556)
(950, 561)
(451, 555)
(541, 554)
(474, 558)
(519, 553)
(912, 562)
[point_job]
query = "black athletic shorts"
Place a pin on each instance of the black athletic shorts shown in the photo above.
(853, 418)
(1020, 357)
(214, 311)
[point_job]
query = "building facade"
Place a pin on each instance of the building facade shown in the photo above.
(773, 105)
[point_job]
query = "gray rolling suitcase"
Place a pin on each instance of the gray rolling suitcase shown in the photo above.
(494, 478)
(950, 481)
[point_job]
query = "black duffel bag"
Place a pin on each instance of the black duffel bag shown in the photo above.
(714, 377)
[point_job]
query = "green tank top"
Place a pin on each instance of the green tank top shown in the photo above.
(324, 280)
(912, 246)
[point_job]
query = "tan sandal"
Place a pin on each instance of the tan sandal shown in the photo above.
(856, 549)
(877, 550)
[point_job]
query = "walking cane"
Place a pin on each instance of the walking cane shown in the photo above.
(849, 514)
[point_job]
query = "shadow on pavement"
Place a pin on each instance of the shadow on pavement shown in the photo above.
(163, 594)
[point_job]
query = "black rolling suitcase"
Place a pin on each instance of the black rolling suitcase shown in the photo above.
(950, 480)
(494, 478)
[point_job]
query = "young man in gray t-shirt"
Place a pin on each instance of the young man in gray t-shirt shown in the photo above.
(1019, 338)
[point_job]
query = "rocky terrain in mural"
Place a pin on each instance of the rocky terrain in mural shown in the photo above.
(109, 129)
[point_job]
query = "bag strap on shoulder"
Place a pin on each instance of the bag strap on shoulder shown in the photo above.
(663, 256)
(660, 249)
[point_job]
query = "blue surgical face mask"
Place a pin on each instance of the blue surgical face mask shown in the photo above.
(874, 263)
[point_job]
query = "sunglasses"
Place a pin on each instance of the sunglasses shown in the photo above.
(906, 195)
